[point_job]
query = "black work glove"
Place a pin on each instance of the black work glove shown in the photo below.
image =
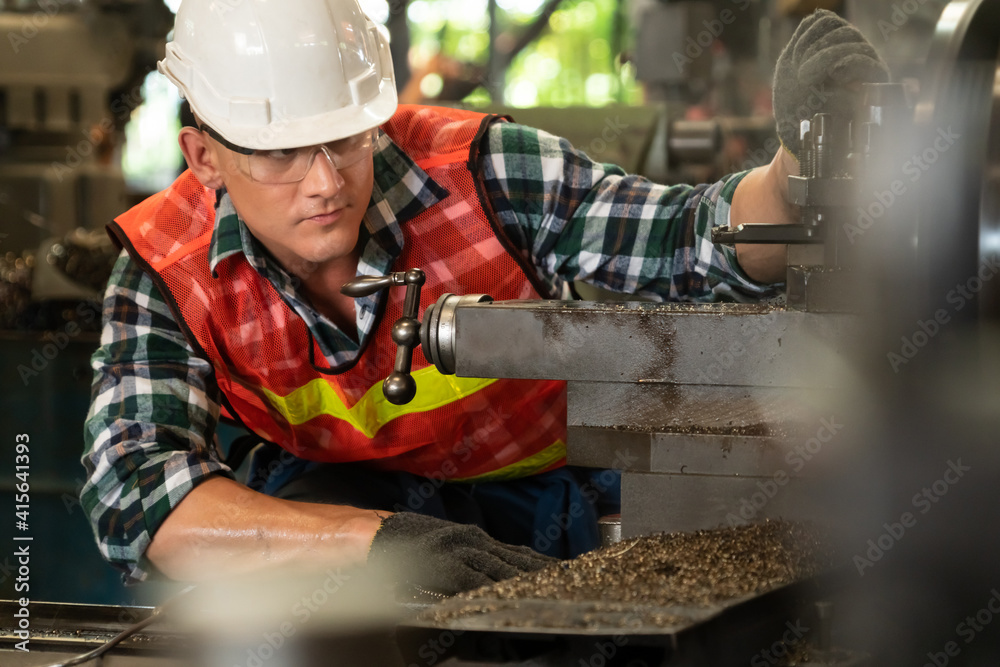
(447, 558)
(815, 73)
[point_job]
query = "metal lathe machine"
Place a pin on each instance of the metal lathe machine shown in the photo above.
(834, 406)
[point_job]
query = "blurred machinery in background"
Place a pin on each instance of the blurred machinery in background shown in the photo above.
(671, 61)
(705, 52)
(704, 59)
(71, 73)
(68, 83)
(645, 140)
(902, 32)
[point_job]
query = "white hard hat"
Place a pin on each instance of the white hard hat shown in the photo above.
(281, 73)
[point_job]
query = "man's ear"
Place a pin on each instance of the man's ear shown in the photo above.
(201, 157)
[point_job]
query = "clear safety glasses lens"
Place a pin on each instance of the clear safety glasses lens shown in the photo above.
(291, 165)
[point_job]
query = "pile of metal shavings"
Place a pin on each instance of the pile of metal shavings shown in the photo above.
(646, 579)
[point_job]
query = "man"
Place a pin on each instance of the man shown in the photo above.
(304, 175)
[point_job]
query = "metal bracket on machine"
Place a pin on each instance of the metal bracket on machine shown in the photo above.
(436, 335)
(835, 153)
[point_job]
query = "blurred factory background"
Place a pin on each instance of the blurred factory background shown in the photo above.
(676, 91)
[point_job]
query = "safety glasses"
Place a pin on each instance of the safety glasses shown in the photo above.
(290, 165)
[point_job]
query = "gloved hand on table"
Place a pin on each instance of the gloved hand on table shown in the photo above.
(447, 558)
(820, 71)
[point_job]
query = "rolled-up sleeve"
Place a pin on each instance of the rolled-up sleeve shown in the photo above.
(582, 220)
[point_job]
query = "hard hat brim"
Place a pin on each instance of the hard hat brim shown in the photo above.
(318, 129)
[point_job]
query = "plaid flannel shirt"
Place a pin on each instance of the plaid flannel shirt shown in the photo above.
(155, 406)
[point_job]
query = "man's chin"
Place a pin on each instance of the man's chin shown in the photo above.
(317, 255)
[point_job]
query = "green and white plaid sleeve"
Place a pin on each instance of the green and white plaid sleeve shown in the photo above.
(583, 220)
(149, 432)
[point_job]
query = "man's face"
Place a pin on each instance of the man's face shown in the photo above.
(305, 224)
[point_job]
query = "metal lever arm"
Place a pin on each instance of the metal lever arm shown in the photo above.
(399, 388)
(763, 233)
(368, 285)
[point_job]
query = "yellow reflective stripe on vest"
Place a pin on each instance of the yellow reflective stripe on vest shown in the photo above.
(529, 466)
(373, 411)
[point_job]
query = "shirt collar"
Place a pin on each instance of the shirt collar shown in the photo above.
(401, 190)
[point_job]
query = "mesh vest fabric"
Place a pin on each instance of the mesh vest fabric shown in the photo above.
(276, 381)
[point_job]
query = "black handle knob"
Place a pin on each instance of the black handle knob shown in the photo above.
(400, 387)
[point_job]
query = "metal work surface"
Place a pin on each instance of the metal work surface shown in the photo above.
(61, 631)
(698, 404)
(679, 503)
(819, 289)
(692, 429)
(714, 344)
(773, 412)
(502, 636)
(664, 599)
(190, 635)
(45, 657)
(691, 454)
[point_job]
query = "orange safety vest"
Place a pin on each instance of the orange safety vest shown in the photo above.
(276, 381)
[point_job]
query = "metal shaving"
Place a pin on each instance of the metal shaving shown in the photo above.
(647, 574)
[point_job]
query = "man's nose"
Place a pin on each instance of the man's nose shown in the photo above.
(322, 177)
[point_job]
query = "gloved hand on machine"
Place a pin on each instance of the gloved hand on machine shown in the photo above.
(821, 70)
(445, 558)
